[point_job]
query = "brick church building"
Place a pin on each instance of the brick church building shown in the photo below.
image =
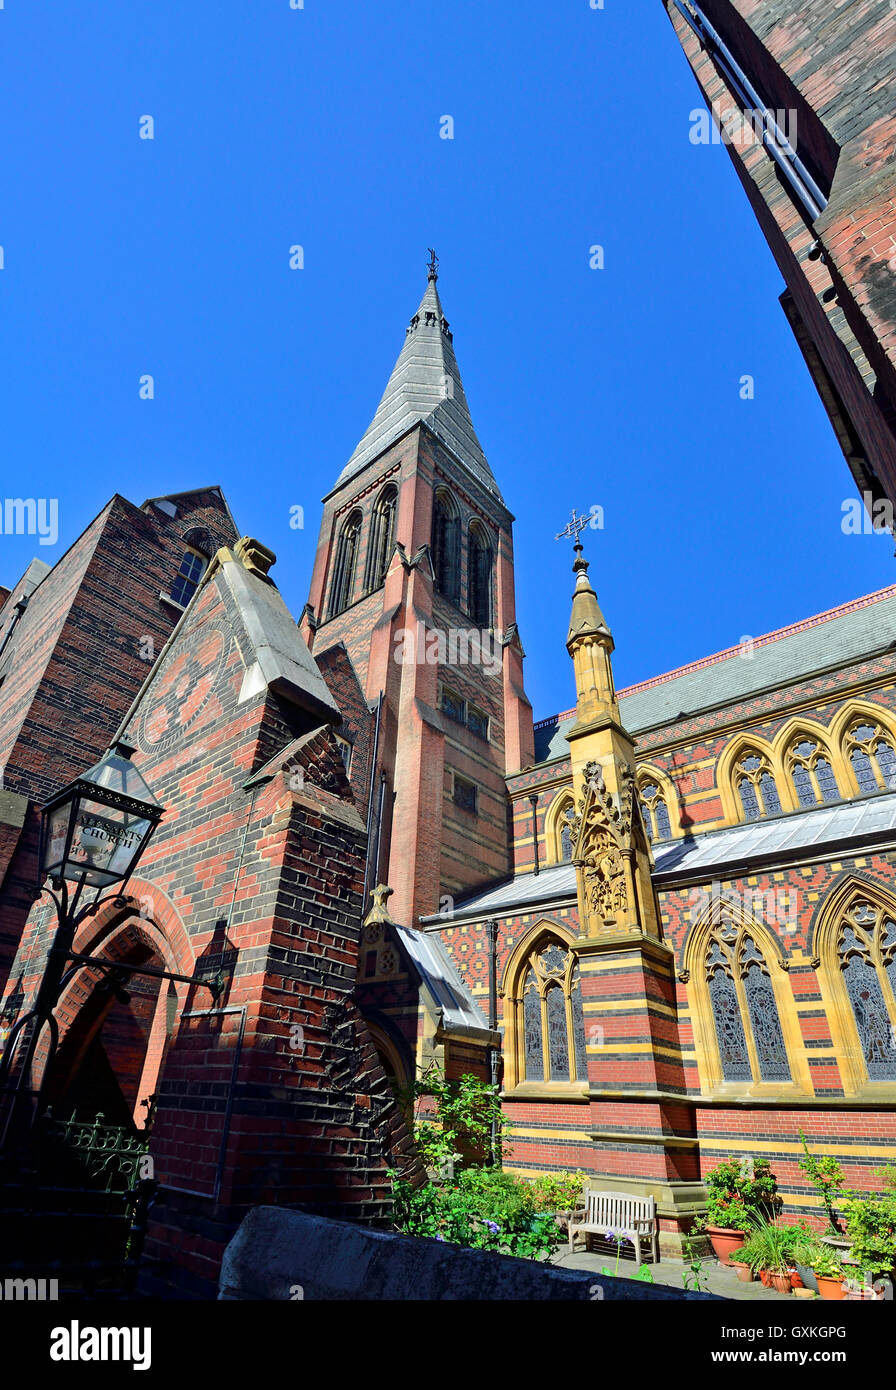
(667, 916)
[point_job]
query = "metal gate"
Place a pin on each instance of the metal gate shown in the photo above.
(73, 1209)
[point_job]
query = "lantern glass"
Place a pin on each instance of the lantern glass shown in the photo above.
(96, 828)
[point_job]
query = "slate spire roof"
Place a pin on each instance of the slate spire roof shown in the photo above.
(425, 385)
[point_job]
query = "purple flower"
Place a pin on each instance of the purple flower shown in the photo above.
(441, 1238)
(611, 1235)
(493, 1227)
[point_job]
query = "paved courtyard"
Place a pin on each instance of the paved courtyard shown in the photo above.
(715, 1278)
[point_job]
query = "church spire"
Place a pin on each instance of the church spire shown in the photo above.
(425, 386)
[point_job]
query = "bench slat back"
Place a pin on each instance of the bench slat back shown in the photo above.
(616, 1211)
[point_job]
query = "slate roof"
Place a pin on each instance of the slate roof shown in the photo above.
(847, 825)
(450, 997)
(848, 633)
(425, 385)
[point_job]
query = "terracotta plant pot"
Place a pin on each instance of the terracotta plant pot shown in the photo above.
(780, 1282)
(725, 1241)
(795, 1280)
(765, 1278)
(832, 1289)
(744, 1272)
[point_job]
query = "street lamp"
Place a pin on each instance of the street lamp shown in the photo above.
(93, 832)
(95, 829)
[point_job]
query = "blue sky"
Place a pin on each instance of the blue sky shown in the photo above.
(320, 126)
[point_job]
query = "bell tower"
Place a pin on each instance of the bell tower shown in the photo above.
(413, 590)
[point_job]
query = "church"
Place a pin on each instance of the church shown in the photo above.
(662, 920)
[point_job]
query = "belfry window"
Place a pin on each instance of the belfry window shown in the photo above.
(480, 576)
(811, 773)
(550, 1020)
(756, 786)
(446, 545)
(382, 538)
(870, 751)
(186, 581)
(343, 585)
(745, 1013)
(866, 952)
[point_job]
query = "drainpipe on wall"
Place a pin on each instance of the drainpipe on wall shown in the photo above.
(491, 932)
(534, 799)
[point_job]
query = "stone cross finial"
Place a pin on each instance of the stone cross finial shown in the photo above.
(433, 267)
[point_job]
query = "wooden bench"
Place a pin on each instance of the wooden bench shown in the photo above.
(619, 1212)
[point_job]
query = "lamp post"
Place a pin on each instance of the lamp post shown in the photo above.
(93, 833)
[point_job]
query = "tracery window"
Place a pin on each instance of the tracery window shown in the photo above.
(811, 772)
(480, 576)
(382, 537)
(866, 953)
(567, 816)
(745, 1013)
(655, 812)
(756, 786)
(550, 1019)
(869, 748)
(346, 562)
(446, 545)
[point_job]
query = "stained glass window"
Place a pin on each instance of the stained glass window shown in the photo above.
(745, 1011)
(766, 1025)
(873, 759)
(558, 1039)
(655, 812)
(564, 826)
(533, 1030)
(756, 786)
(480, 577)
(382, 536)
(729, 1028)
(812, 773)
(867, 952)
(552, 1018)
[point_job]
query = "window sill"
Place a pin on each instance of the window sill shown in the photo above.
(166, 598)
(548, 1090)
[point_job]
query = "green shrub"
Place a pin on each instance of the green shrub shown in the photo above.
(484, 1208)
(871, 1228)
(558, 1191)
(827, 1175)
(452, 1120)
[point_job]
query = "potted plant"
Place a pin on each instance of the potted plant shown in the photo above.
(804, 1250)
(827, 1270)
(739, 1192)
(768, 1252)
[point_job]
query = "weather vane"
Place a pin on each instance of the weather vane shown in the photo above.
(433, 264)
(573, 528)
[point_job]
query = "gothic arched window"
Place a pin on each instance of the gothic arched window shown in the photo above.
(869, 748)
(866, 954)
(480, 576)
(343, 585)
(382, 537)
(755, 785)
(655, 811)
(744, 1010)
(446, 545)
(811, 772)
(562, 814)
(550, 1021)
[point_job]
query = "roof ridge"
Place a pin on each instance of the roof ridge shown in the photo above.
(852, 606)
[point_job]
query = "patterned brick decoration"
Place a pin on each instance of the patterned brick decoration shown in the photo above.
(76, 660)
(273, 1092)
